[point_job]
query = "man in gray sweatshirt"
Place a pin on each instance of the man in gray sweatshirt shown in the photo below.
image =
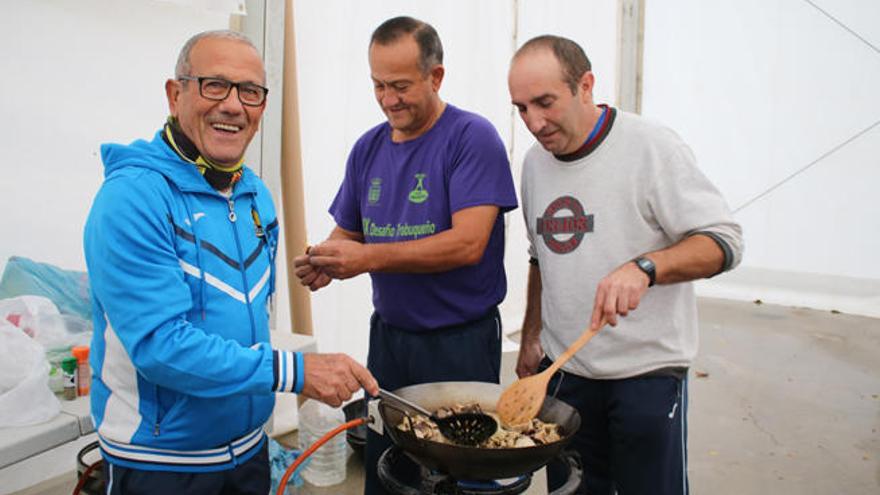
(620, 219)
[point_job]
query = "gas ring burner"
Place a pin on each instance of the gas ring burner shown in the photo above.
(391, 468)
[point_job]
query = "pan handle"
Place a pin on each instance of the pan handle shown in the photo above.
(400, 400)
(559, 372)
(559, 383)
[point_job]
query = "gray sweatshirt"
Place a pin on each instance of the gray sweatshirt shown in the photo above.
(639, 191)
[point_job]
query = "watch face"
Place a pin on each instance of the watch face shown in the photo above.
(647, 266)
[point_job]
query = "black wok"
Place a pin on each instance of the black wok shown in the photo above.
(474, 463)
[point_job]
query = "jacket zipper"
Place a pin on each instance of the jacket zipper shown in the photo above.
(245, 285)
(158, 414)
(232, 216)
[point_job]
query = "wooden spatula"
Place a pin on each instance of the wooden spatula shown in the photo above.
(522, 401)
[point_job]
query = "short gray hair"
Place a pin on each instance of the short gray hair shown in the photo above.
(430, 48)
(183, 66)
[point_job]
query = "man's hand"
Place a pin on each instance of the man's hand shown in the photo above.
(530, 354)
(340, 258)
(333, 378)
(309, 275)
(618, 293)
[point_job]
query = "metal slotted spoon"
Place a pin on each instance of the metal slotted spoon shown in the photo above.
(470, 428)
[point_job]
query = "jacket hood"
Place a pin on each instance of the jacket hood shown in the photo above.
(156, 155)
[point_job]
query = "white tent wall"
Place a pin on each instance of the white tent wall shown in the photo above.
(77, 74)
(744, 83)
(761, 90)
(94, 72)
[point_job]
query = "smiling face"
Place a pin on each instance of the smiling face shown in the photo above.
(221, 130)
(558, 119)
(408, 96)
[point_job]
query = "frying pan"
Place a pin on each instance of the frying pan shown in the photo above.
(474, 463)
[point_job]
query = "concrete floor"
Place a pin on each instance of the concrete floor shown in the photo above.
(790, 403)
(782, 400)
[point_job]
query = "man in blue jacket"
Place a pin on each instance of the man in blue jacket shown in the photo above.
(180, 245)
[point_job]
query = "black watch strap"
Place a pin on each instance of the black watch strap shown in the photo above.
(647, 266)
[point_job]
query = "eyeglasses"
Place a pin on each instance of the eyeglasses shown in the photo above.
(217, 89)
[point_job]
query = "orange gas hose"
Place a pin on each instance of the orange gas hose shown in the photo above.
(321, 441)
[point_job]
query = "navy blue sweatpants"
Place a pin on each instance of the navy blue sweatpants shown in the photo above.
(249, 478)
(400, 357)
(633, 436)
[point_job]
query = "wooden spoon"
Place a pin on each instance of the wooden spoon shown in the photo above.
(522, 401)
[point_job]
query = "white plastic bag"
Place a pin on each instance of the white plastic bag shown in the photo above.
(40, 318)
(25, 398)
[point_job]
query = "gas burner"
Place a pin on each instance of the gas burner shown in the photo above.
(432, 482)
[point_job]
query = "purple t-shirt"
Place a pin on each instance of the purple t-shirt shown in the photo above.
(396, 192)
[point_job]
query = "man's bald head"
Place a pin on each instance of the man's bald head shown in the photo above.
(184, 67)
(570, 55)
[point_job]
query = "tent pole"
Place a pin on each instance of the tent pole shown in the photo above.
(293, 205)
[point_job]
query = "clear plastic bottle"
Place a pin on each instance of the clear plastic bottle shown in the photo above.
(326, 466)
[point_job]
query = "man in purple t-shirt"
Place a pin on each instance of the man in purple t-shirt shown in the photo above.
(421, 209)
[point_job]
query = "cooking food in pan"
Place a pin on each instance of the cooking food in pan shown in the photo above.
(474, 463)
(536, 432)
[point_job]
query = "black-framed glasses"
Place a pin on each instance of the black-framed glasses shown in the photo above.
(217, 89)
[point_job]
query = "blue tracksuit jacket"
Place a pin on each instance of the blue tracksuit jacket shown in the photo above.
(181, 276)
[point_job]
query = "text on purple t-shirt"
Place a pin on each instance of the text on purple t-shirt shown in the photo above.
(395, 192)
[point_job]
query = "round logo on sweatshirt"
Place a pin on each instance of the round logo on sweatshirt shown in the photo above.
(564, 224)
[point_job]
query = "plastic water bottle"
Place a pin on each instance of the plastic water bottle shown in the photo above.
(326, 466)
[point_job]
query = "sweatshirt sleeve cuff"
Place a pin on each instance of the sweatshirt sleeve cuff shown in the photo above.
(288, 371)
(725, 248)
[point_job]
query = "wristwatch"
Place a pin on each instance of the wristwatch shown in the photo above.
(647, 266)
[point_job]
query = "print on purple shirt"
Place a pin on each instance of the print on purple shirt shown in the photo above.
(396, 192)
